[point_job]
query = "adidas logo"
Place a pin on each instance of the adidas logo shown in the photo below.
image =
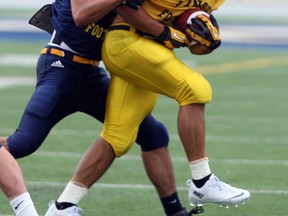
(57, 64)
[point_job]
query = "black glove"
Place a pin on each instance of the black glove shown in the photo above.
(214, 21)
(205, 31)
(172, 38)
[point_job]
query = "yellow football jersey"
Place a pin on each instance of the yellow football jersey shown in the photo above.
(167, 10)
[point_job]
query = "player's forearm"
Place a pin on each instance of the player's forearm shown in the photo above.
(140, 19)
(86, 12)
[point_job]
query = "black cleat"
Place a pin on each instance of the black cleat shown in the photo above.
(196, 210)
(183, 212)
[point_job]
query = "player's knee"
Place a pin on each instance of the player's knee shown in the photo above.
(196, 90)
(120, 143)
(121, 148)
(21, 145)
(152, 134)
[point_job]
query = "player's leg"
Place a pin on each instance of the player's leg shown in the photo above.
(100, 156)
(13, 185)
(92, 166)
(94, 163)
(165, 74)
(93, 89)
(10, 168)
(121, 125)
(152, 135)
(52, 100)
(87, 173)
(159, 168)
(153, 139)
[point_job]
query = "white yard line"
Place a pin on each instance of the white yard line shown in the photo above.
(174, 159)
(26, 60)
(10, 82)
(142, 187)
(173, 136)
(23, 60)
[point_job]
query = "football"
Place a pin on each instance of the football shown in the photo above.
(186, 18)
(198, 49)
(181, 24)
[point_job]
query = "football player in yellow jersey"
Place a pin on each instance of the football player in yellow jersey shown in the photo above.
(142, 68)
(132, 96)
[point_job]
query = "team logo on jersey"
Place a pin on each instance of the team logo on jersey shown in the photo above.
(97, 31)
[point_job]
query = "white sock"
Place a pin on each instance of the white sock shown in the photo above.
(23, 205)
(200, 168)
(73, 193)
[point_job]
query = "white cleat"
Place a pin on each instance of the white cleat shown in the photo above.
(70, 211)
(217, 192)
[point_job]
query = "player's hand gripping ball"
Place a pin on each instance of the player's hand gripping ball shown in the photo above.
(201, 30)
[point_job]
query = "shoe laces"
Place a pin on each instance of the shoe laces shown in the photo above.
(76, 210)
(220, 185)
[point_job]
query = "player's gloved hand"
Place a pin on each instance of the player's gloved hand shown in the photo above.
(205, 31)
(214, 21)
(172, 38)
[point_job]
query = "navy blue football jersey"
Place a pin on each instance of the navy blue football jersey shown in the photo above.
(85, 40)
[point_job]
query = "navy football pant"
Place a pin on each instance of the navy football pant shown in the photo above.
(63, 90)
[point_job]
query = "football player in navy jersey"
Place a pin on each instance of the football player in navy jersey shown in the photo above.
(70, 80)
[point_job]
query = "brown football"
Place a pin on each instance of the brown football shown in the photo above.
(198, 49)
(181, 24)
(182, 20)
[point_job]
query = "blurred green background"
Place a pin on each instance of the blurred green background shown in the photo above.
(246, 121)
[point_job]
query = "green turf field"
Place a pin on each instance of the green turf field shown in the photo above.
(246, 137)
